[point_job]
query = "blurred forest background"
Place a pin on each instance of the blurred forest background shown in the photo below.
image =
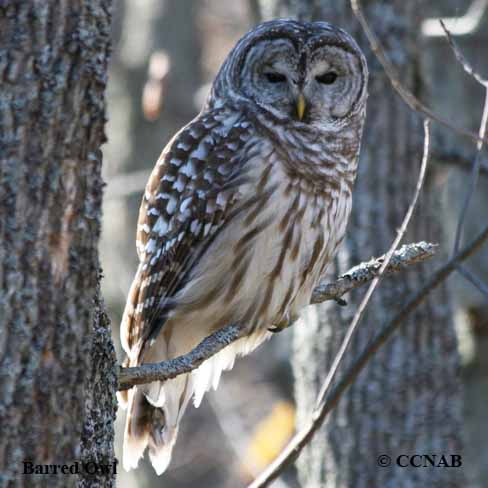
(166, 53)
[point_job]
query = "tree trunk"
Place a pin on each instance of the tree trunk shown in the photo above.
(53, 71)
(407, 401)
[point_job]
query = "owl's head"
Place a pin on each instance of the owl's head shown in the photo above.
(301, 72)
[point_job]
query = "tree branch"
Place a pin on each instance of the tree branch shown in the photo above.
(363, 273)
(402, 259)
(171, 368)
(473, 279)
(477, 164)
(302, 438)
(459, 26)
(461, 58)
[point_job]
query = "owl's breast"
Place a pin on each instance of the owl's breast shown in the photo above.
(266, 261)
(314, 224)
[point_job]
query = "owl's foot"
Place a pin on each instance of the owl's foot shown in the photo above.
(340, 301)
(283, 324)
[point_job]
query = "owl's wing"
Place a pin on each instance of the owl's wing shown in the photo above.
(191, 194)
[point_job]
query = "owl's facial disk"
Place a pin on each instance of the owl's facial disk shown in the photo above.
(312, 84)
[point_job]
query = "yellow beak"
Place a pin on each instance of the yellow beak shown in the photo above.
(301, 105)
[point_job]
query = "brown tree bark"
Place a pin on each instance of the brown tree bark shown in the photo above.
(407, 401)
(53, 72)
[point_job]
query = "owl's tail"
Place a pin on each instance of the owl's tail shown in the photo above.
(154, 411)
(153, 416)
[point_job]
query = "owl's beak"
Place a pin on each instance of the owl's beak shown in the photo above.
(301, 106)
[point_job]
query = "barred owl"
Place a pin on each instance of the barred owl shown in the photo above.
(242, 213)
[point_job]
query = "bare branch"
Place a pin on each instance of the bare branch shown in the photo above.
(363, 273)
(302, 438)
(474, 176)
(461, 59)
(171, 368)
(407, 96)
(402, 259)
(477, 164)
(459, 26)
(473, 279)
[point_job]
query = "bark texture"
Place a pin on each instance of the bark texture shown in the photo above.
(53, 65)
(97, 437)
(408, 399)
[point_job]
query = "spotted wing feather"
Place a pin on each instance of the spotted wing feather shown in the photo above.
(191, 194)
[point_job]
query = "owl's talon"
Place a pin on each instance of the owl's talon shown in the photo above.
(275, 329)
(340, 301)
(286, 322)
(278, 328)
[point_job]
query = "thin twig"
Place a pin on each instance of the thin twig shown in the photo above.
(405, 257)
(473, 279)
(367, 297)
(473, 181)
(476, 167)
(460, 26)
(477, 164)
(461, 58)
(303, 437)
(407, 96)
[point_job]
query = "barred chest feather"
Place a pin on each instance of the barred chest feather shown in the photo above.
(263, 266)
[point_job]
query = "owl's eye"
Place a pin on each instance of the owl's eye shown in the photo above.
(274, 77)
(327, 78)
